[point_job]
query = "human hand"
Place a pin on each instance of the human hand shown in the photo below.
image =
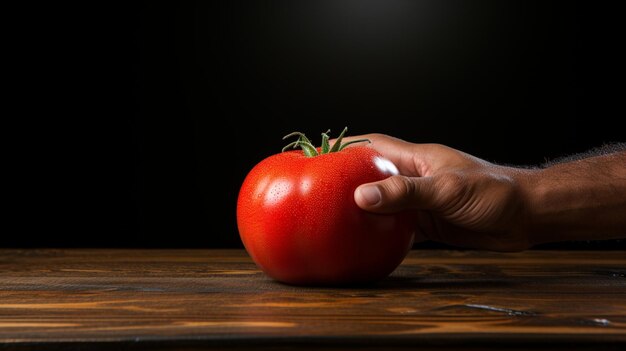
(458, 199)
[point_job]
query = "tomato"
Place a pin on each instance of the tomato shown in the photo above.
(299, 223)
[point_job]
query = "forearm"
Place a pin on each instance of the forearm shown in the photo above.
(577, 200)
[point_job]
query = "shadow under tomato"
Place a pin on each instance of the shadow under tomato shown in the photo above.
(408, 283)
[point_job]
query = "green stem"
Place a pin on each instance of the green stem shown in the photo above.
(310, 150)
(325, 144)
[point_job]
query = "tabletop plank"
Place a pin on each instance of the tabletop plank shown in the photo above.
(197, 298)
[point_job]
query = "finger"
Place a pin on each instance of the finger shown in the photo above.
(397, 193)
(416, 159)
(391, 147)
(407, 157)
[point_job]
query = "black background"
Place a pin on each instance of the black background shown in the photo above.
(133, 124)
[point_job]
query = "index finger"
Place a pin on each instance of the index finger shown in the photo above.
(401, 153)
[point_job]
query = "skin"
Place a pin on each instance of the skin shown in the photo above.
(465, 201)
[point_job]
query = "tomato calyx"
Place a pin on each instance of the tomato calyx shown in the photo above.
(311, 151)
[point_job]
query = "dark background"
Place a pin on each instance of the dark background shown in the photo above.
(133, 124)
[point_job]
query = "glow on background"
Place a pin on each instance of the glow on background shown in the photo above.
(365, 54)
(368, 31)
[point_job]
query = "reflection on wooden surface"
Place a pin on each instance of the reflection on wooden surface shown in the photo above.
(195, 298)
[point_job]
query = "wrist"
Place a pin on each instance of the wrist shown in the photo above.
(531, 195)
(541, 198)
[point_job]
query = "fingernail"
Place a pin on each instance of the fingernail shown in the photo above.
(371, 194)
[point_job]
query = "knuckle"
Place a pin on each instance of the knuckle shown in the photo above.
(401, 187)
(453, 183)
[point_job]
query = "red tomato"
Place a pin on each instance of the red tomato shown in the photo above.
(298, 220)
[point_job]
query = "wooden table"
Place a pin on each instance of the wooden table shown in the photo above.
(200, 299)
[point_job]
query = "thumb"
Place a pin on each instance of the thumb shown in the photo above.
(396, 193)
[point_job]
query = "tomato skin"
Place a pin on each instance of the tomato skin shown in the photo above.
(299, 223)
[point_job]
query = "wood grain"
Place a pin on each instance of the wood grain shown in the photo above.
(196, 299)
